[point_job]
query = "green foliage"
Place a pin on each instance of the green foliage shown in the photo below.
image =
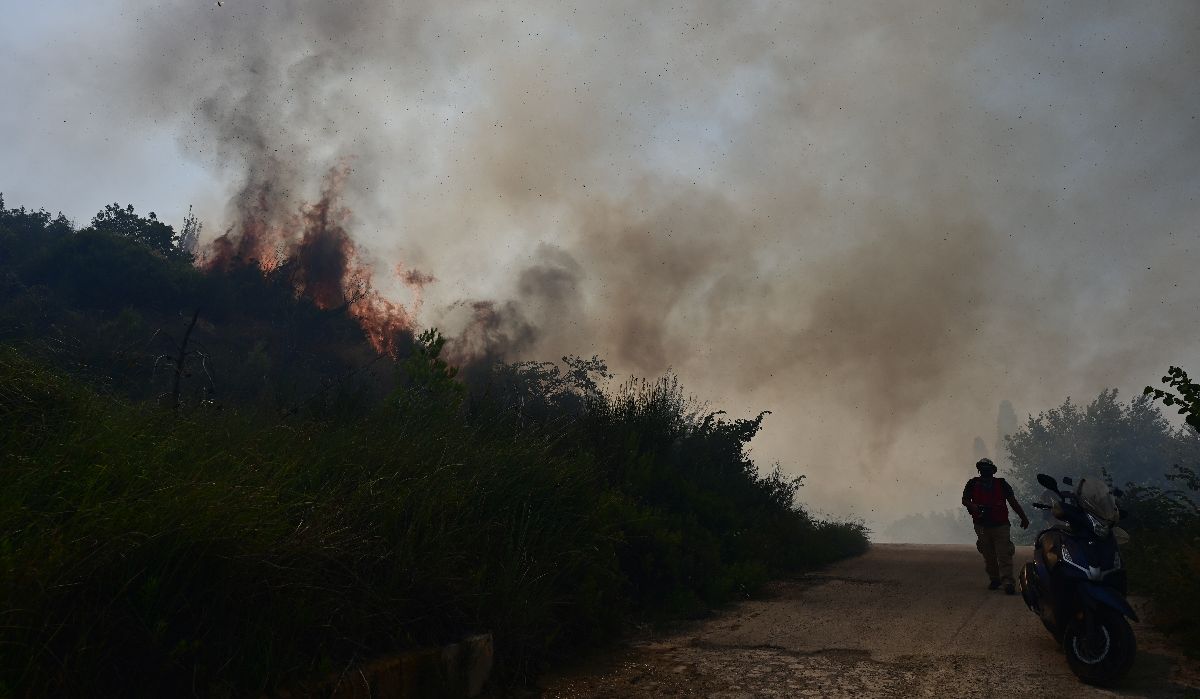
(96, 270)
(697, 503)
(429, 378)
(1188, 398)
(426, 386)
(1163, 555)
(221, 552)
(1132, 442)
(39, 222)
(218, 549)
(146, 231)
(540, 392)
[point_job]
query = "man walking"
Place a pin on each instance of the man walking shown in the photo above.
(987, 499)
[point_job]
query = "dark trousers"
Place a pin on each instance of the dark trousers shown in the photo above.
(997, 548)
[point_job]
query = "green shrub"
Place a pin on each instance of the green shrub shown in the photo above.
(223, 553)
(1163, 555)
(242, 553)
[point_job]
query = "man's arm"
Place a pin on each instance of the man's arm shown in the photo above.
(967, 502)
(1012, 500)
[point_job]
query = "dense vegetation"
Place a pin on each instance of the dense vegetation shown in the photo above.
(1166, 556)
(288, 503)
(106, 304)
(1134, 446)
(1131, 442)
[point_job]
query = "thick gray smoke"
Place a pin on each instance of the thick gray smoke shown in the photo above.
(876, 219)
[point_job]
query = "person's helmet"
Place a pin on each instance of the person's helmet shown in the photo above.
(985, 465)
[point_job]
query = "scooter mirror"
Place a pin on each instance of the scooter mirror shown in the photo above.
(1047, 482)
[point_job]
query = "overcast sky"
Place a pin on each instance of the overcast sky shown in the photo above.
(876, 219)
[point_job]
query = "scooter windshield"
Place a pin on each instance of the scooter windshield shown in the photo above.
(1095, 497)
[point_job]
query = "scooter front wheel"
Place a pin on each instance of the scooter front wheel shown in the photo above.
(1104, 656)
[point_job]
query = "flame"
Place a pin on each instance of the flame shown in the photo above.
(315, 249)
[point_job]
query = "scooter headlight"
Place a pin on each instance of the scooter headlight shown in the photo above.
(1099, 526)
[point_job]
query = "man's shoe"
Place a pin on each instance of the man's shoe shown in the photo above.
(994, 584)
(1010, 589)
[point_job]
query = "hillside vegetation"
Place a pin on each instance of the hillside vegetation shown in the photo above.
(288, 502)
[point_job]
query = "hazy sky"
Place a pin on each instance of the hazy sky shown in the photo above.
(876, 219)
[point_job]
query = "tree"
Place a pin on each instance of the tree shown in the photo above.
(148, 231)
(540, 390)
(1131, 443)
(33, 222)
(428, 383)
(189, 239)
(1188, 398)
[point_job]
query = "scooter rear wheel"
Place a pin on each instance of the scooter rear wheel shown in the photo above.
(1103, 659)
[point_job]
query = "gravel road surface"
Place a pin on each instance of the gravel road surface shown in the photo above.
(900, 621)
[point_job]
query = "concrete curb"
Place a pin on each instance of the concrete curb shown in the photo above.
(453, 671)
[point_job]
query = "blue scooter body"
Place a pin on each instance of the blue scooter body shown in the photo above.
(1076, 584)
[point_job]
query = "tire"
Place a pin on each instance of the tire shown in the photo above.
(1106, 659)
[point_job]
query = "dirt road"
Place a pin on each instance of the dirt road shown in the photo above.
(900, 621)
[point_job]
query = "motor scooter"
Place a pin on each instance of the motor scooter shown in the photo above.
(1077, 585)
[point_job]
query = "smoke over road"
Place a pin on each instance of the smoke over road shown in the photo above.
(876, 219)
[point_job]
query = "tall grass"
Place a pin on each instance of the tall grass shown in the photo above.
(220, 553)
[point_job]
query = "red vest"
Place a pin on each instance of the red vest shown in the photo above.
(994, 502)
